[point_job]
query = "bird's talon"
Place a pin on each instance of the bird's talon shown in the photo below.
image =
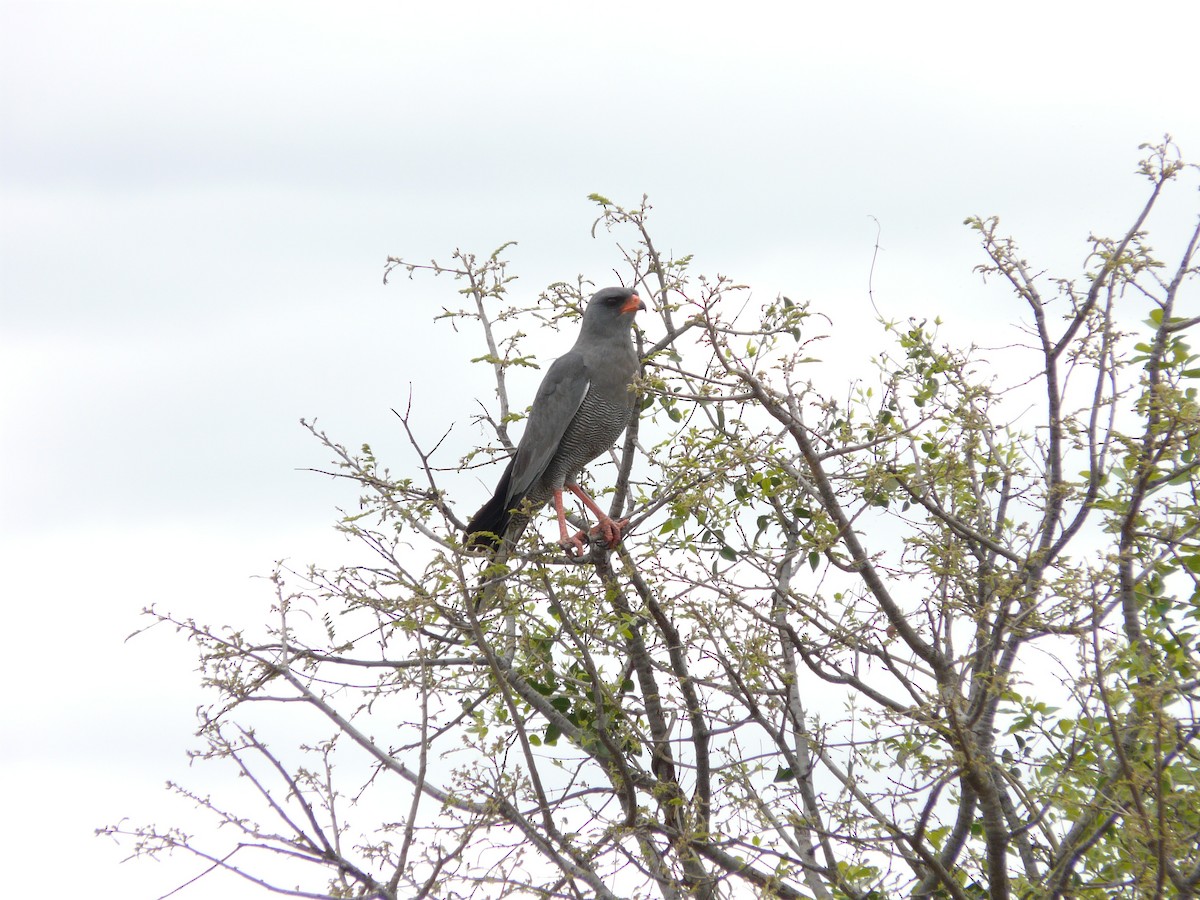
(574, 545)
(610, 530)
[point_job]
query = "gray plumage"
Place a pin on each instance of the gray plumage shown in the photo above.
(581, 407)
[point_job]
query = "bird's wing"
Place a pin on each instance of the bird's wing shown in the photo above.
(557, 400)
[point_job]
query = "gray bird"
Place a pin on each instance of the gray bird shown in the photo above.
(579, 411)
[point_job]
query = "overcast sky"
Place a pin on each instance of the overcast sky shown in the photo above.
(198, 198)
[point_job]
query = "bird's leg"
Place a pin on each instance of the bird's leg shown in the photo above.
(605, 525)
(568, 543)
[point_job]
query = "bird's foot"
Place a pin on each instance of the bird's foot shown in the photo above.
(606, 528)
(574, 545)
(610, 530)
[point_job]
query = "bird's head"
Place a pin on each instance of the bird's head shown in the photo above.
(612, 305)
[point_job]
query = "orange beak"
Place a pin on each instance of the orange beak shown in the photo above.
(633, 304)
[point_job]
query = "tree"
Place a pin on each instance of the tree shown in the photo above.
(935, 639)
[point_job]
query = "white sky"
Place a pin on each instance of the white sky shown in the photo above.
(196, 200)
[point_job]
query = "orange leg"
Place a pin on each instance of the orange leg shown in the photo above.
(568, 543)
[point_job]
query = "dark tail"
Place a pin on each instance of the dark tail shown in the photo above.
(486, 528)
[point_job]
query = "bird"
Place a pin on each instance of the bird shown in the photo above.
(580, 409)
